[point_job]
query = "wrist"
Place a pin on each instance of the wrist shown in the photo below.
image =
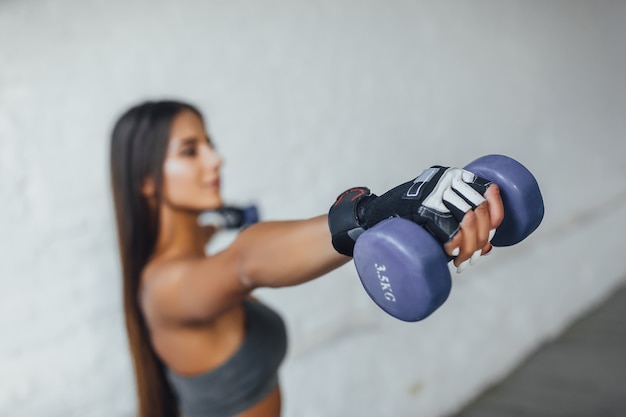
(345, 218)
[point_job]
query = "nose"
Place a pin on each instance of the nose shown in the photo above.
(211, 159)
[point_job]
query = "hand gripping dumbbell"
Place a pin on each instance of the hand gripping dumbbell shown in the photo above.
(404, 269)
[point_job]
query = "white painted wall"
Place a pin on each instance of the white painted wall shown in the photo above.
(305, 99)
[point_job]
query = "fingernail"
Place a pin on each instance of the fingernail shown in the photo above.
(462, 267)
(492, 233)
(456, 252)
(488, 252)
(475, 256)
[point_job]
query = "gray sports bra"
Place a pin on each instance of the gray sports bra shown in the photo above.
(247, 377)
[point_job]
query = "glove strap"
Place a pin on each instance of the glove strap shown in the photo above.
(343, 219)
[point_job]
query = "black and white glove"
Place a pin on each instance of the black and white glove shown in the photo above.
(437, 200)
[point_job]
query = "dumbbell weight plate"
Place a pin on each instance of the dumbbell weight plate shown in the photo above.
(521, 197)
(403, 269)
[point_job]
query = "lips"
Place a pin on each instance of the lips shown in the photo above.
(213, 184)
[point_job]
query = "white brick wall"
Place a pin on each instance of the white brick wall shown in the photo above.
(313, 96)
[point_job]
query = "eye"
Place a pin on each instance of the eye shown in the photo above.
(189, 150)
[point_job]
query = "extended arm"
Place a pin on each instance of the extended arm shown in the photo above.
(266, 254)
(280, 254)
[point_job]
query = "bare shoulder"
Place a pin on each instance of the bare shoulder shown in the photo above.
(189, 290)
(160, 280)
(161, 274)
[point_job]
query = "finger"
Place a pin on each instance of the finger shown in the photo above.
(456, 204)
(468, 176)
(483, 225)
(467, 192)
(468, 238)
(452, 247)
(494, 203)
(475, 256)
(486, 250)
(477, 183)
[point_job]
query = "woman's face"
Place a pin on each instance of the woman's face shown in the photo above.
(191, 171)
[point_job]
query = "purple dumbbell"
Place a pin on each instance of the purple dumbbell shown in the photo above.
(404, 269)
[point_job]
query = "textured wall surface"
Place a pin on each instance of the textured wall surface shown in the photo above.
(305, 99)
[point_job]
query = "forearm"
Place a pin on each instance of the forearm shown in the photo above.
(285, 253)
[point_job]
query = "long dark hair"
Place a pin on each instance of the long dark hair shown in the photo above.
(138, 145)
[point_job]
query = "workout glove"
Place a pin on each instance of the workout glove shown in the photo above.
(437, 200)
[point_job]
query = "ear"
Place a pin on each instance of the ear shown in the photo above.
(148, 188)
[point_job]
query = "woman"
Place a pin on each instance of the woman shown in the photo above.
(200, 344)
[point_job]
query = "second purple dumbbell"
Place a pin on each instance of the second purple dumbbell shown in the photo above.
(404, 269)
